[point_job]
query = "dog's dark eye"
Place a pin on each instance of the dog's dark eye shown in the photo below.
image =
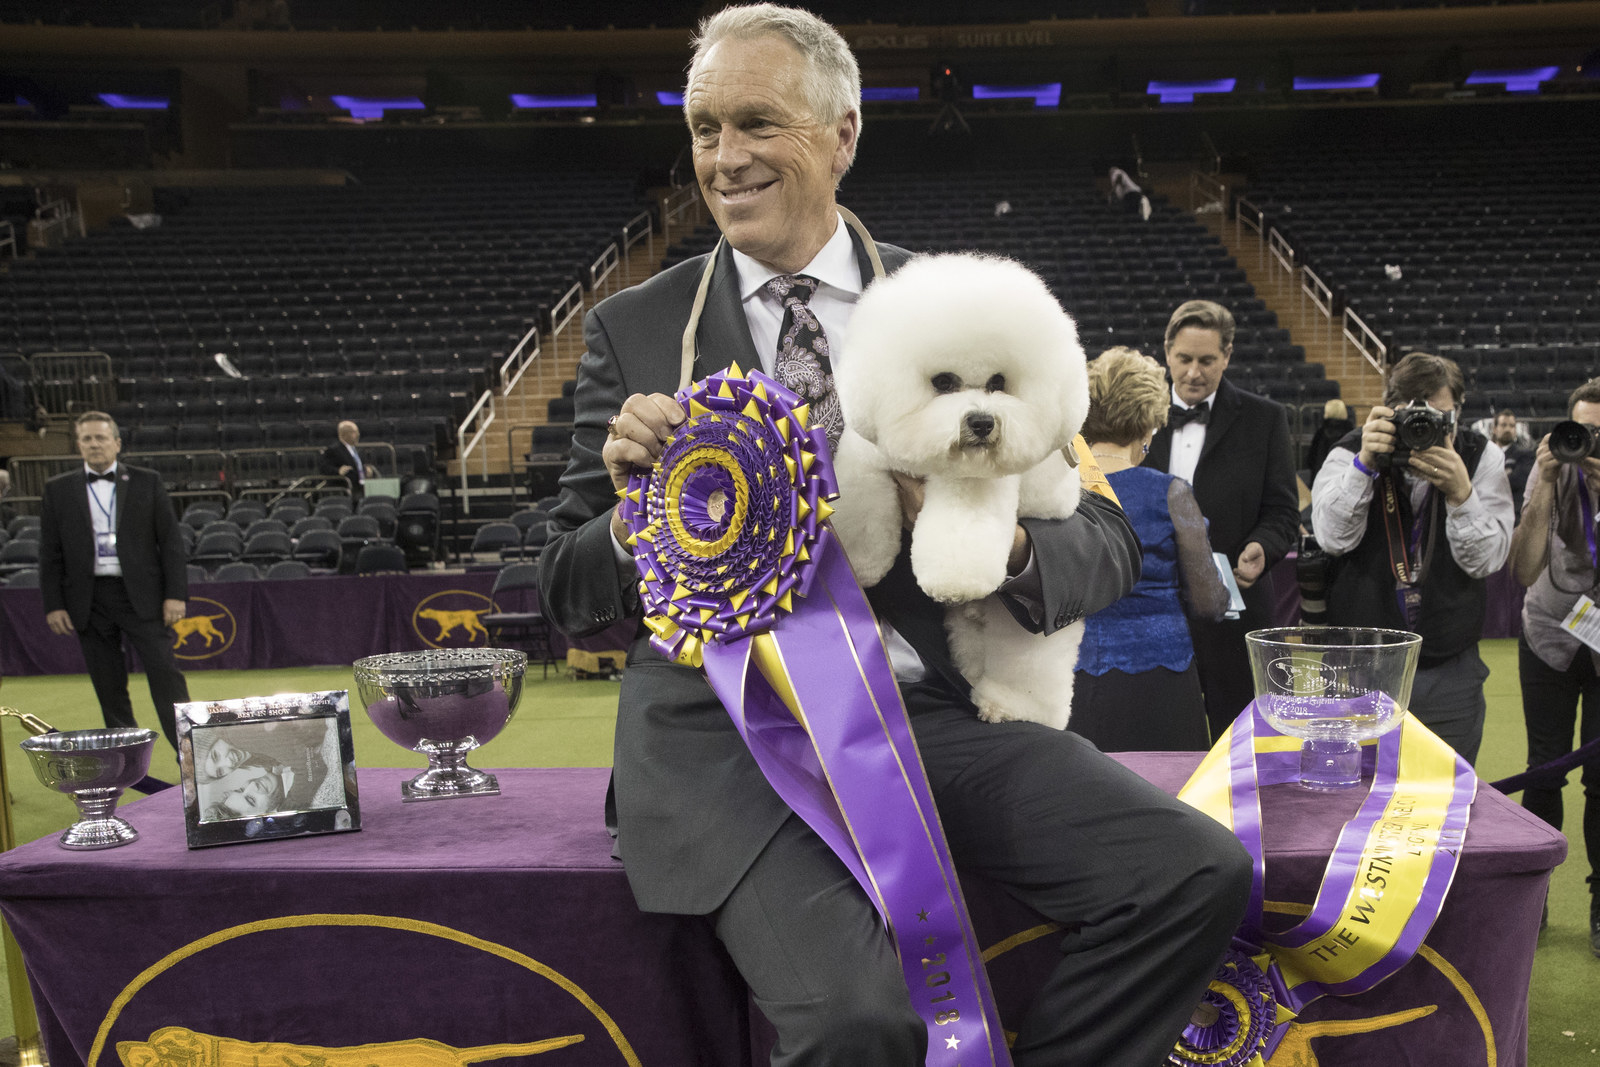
(946, 383)
(995, 384)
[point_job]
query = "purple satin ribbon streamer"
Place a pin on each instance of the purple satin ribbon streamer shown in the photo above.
(1249, 771)
(867, 796)
(1588, 520)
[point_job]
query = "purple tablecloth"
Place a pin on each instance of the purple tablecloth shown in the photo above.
(301, 623)
(502, 919)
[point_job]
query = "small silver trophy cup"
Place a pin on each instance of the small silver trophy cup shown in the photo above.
(444, 703)
(93, 767)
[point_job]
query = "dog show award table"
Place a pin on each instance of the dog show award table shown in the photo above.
(499, 930)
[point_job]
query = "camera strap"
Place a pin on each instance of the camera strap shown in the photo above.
(1587, 513)
(1410, 544)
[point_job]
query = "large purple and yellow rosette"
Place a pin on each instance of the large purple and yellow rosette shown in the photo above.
(741, 577)
(724, 529)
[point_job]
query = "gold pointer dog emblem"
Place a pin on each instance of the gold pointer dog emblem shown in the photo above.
(177, 1046)
(447, 621)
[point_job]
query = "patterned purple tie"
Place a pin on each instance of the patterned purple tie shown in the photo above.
(803, 353)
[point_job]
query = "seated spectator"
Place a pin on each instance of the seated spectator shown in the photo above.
(1136, 686)
(343, 459)
(1126, 194)
(1418, 559)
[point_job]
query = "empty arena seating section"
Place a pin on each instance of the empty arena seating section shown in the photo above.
(1495, 240)
(390, 301)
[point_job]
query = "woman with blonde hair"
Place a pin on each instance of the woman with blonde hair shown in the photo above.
(1136, 685)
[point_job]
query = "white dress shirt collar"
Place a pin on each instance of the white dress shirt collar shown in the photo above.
(1209, 398)
(88, 470)
(834, 264)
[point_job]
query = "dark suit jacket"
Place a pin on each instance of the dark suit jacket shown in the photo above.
(1244, 481)
(335, 456)
(693, 808)
(149, 545)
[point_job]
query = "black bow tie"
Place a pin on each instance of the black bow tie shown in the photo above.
(1179, 417)
(108, 476)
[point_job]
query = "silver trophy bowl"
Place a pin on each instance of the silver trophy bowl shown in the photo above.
(93, 767)
(444, 703)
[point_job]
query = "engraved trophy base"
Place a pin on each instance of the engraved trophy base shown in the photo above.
(91, 834)
(444, 783)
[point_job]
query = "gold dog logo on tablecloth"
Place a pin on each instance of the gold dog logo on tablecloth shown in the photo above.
(177, 1046)
(208, 630)
(437, 620)
(1295, 1049)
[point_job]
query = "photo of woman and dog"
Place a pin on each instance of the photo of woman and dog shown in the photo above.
(250, 769)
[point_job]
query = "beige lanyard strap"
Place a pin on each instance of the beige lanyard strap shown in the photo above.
(687, 350)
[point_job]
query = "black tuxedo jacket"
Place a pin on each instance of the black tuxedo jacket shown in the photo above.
(149, 545)
(335, 456)
(1244, 482)
(693, 809)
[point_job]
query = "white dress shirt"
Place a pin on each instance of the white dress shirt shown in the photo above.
(839, 276)
(1478, 531)
(1187, 441)
(103, 516)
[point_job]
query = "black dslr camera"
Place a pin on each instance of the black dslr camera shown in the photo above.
(1417, 427)
(1573, 442)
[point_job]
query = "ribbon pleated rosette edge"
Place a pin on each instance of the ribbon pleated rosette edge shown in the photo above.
(740, 576)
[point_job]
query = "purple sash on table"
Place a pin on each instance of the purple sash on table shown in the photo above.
(740, 575)
(1383, 888)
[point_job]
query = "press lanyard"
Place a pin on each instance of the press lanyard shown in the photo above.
(1408, 555)
(108, 512)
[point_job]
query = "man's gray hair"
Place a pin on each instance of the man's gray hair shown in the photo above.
(833, 78)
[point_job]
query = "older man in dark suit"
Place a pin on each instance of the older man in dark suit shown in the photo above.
(1149, 892)
(1233, 447)
(111, 565)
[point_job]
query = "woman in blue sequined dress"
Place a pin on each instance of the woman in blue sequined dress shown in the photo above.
(1136, 687)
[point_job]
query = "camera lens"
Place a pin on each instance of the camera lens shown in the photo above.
(1571, 442)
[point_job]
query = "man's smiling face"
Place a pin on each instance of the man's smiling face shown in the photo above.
(765, 163)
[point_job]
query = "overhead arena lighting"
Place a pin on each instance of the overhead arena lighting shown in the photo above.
(373, 107)
(901, 92)
(531, 100)
(1348, 81)
(1184, 92)
(666, 99)
(129, 102)
(1046, 95)
(1515, 81)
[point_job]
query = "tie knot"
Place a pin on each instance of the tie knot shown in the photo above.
(793, 288)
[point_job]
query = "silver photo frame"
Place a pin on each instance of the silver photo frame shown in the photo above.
(267, 768)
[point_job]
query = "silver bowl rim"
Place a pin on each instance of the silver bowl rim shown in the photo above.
(88, 741)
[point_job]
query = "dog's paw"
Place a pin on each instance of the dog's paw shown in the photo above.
(989, 711)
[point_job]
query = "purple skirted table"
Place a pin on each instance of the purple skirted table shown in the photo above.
(504, 920)
(305, 622)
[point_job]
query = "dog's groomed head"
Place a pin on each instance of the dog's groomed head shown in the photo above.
(962, 364)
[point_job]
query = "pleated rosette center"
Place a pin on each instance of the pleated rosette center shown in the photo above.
(724, 528)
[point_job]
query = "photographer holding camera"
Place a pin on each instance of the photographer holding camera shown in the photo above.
(1415, 514)
(1553, 553)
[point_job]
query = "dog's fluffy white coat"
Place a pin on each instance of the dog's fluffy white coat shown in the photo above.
(963, 370)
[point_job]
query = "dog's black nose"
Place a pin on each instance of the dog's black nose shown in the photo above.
(980, 423)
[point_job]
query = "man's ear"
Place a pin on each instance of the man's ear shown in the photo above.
(849, 131)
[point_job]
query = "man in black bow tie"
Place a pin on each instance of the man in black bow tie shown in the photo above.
(1233, 447)
(111, 564)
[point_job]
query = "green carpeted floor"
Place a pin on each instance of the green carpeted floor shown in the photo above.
(564, 723)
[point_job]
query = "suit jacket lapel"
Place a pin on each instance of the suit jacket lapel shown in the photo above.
(1160, 457)
(1224, 410)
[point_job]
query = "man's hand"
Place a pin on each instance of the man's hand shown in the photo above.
(1252, 561)
(1546, 464)
(1377, 436)
(172, 611)
(1444, 469)
(346, 469)
(59, 622)
(634, 440)
(372, 472)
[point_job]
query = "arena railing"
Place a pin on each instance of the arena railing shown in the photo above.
(642, 227)
(1357, 334)
(8, 237)
(1246, 216)
(181, 470)
(1280, 261)
(603, 272)
(677, 209)
(1314, 291)
(70, 382)
(1207, 194)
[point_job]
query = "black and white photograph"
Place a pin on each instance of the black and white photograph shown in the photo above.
(263, 768)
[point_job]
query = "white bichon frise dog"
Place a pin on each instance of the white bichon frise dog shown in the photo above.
(964, 371)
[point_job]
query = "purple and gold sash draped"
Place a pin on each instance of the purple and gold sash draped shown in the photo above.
(741, 576)
(1384, 885)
